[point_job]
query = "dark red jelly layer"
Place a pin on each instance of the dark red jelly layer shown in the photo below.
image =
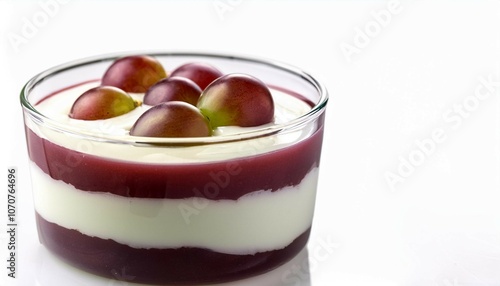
(214, 180)
(110, 259)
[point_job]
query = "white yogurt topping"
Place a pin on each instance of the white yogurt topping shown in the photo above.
(261, 221)
(57, 107)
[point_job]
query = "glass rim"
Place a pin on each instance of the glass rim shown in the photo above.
(293, 124)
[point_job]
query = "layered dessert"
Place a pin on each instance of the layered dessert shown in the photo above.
(178, 176)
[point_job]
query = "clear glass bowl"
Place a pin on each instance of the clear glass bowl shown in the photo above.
(174, 210)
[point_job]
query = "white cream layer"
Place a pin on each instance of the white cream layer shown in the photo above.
(57, 107)
(260, 221)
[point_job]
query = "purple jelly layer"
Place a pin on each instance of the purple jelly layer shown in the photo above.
(184, 265)
(228, 179)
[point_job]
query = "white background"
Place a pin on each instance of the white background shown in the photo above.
(412, 66)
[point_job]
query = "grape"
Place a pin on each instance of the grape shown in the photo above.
(238, 100)
(201, 73)
(173, 89)
(172, 119)
(102, 102)
(134, 73)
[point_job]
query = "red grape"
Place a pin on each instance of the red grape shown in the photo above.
(173, 89)
(237, 99)
(172, 119)
(201, 73)
(134, 73)
(102, 102)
